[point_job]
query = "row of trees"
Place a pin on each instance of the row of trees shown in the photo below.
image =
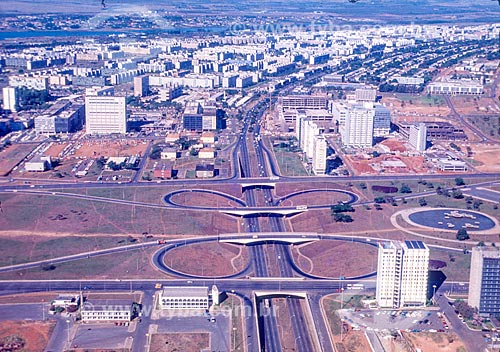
(338, 211)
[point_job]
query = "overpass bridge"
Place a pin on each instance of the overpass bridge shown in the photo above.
(259, 237)
(262, 184)
(285, 211)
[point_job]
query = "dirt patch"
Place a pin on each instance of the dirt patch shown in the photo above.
(344, 337)
(405, 106)
(474, 105)
(50, 213)
(430, 342)
(179, 342)
(486, 156)
(208, 259)
(387, 164)
(28, 298)
(55, 149)
(33, 336)
(336, 258)
(394, 145)
(106, 148)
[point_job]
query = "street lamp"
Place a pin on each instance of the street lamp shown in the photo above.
(434, 293)
(298, 337)
(68, 321)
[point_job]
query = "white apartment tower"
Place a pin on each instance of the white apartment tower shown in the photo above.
(10, 98)
(418, 136)
(104, 113)
(319, 155)
(402, 274)
(358, 128)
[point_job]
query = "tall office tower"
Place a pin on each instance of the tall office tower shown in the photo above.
(141, 86)
(319, 155)
(484, 281)
(358, 128)
(418, 137)
(104, 113)
(365, 95)
(402, 274)
(381, 121)
(10, 98)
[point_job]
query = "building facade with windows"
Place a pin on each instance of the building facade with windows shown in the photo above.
(184, 298)
(484, 282)
(104, 113)
(402, 274)
(106, 310)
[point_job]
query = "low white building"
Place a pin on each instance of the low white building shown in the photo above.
(106, 310)
(451, 165)
(206, 153)
(38, 164)
(184, 298)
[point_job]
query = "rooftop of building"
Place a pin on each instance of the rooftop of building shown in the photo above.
(415, 245)
(488, 251)
(179, 291)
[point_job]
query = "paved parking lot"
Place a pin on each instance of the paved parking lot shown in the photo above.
(219, 330)
(412, 320)
(106, 336)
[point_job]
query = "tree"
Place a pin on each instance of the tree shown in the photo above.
(341, 208)
(422, 202)
(477, 204)
(457, 194)
(101, 162)
(462, 235)
(339, 217)
(459, 181)
(464, 309)
(405, 188)
(155, 152)
(362, 185)
(379, 200)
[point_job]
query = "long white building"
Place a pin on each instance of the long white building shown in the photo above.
(402, 274)
(184, 298)
(312, 143)
(104, 113)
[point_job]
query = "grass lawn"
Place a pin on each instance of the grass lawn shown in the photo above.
(289, 163)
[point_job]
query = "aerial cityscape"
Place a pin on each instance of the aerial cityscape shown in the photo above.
(250, 176)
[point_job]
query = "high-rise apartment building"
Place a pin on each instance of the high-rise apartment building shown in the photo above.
(418, 136)
(381, 121)
(104, 113)
(358, 128)
(402, 274)
(319, 155)
(10, 98)
(484, 282)
(312, 143)
(141, 86)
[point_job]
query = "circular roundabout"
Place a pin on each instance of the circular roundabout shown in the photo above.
(450, 219)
